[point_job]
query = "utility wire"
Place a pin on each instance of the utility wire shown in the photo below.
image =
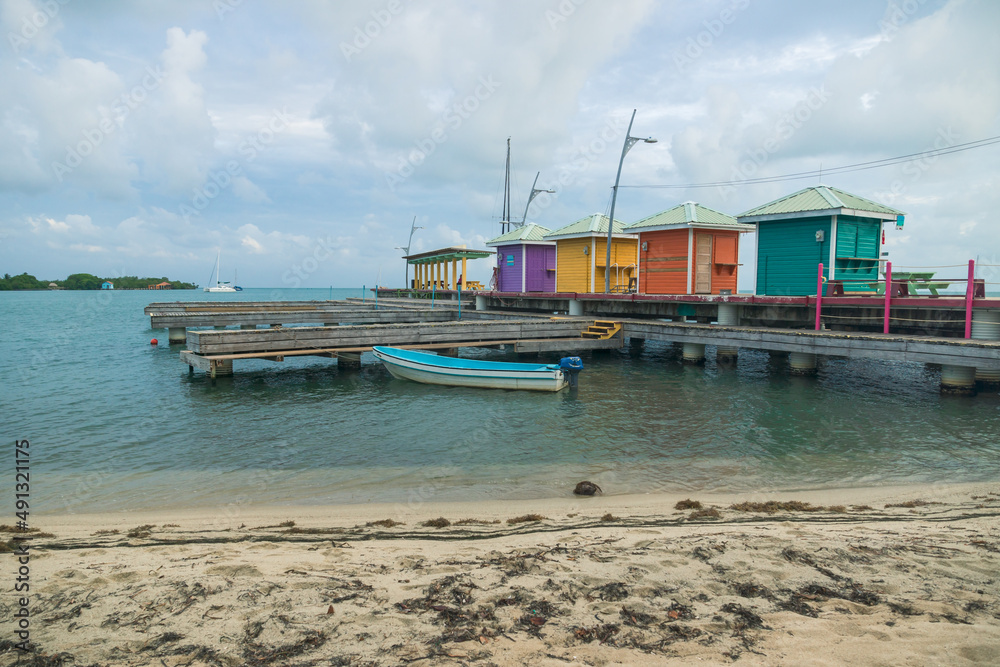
(860, 166)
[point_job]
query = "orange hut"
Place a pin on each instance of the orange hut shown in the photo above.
(688, 249)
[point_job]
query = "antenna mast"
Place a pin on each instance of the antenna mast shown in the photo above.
(505, 220)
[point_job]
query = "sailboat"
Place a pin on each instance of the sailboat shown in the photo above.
(219, 286)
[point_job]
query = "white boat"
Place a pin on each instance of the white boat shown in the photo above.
(436, 369)
(219, 286)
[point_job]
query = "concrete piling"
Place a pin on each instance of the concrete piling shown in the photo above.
(958, 380)
(986, 326)
(693, 353)
(802, 363)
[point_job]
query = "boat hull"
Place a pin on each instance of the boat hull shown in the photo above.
(502, 376)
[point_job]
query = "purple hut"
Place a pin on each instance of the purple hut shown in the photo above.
(525, 263)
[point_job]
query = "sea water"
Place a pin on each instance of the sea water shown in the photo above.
(116, 424)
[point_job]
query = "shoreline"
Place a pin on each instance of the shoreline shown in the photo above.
(603, 580)
(633, 503)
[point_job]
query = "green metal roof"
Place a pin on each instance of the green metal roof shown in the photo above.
(819, 198)
(592, 224)
(446, 255)
(690, 214)
(528, 232)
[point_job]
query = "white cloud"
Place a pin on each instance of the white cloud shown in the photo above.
(566, 90)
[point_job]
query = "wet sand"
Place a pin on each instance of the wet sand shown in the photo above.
(862, 576)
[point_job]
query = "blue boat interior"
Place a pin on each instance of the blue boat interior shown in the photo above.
(455, 362)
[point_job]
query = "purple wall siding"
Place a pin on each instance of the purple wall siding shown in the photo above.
(539, 258)
(510, 274)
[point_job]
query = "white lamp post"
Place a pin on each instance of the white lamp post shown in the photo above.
(629, 142)
(406, 270)
(534, 193)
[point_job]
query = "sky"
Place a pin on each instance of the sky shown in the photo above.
(301, 140)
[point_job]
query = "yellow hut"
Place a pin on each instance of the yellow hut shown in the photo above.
(581, 253)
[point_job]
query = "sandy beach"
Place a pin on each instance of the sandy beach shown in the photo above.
(901, 576)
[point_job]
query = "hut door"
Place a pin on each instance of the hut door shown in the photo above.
(703, 264)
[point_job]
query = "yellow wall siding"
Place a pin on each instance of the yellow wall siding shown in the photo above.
(624, 252)
(573, 267)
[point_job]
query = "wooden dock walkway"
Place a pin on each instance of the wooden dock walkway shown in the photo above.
(925, 349)
(214, 351)
(354, 326)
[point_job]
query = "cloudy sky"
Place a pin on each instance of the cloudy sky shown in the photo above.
(301, 139)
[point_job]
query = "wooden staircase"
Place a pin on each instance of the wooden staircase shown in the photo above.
(602, 329)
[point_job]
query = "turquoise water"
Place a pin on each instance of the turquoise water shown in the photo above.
(117, 424)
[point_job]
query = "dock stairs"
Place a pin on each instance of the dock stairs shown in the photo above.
(602, 329)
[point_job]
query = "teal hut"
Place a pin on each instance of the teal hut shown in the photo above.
(818, 224)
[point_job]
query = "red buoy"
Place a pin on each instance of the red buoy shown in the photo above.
(154, 342)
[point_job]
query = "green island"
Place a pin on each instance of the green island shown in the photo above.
(86, 281)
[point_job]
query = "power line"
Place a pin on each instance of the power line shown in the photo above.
(860, 166)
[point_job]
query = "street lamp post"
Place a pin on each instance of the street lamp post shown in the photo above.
(629, 142)
(534, 193)
(406, 270)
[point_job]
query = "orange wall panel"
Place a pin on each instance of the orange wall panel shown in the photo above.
(725, 251)
(663, 266)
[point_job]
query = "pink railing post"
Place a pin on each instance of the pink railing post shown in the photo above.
(888, 296)
(969, 290)
(819, 294)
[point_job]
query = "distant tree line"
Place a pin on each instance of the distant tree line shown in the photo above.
(27, 281)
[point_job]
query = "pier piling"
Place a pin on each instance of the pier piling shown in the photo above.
(958, 380)
(729, 315)
(986, 326)
(802, 363)
(693, 353)
(349, 359)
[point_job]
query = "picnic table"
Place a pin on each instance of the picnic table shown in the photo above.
(906, 283)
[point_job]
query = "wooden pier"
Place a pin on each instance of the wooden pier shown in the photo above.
(214, 351)
(727, 322)
(946, 351)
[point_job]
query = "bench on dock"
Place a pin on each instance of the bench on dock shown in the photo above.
(906, 283)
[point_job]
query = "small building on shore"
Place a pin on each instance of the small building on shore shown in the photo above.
(107, 284)
(581, 253)
(818, 224)
(525, 261)
(688, 249)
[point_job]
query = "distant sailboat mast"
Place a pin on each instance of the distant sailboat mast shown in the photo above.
(505, 220)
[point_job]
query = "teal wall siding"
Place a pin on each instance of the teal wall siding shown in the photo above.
(857, 237)
(788, 254)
